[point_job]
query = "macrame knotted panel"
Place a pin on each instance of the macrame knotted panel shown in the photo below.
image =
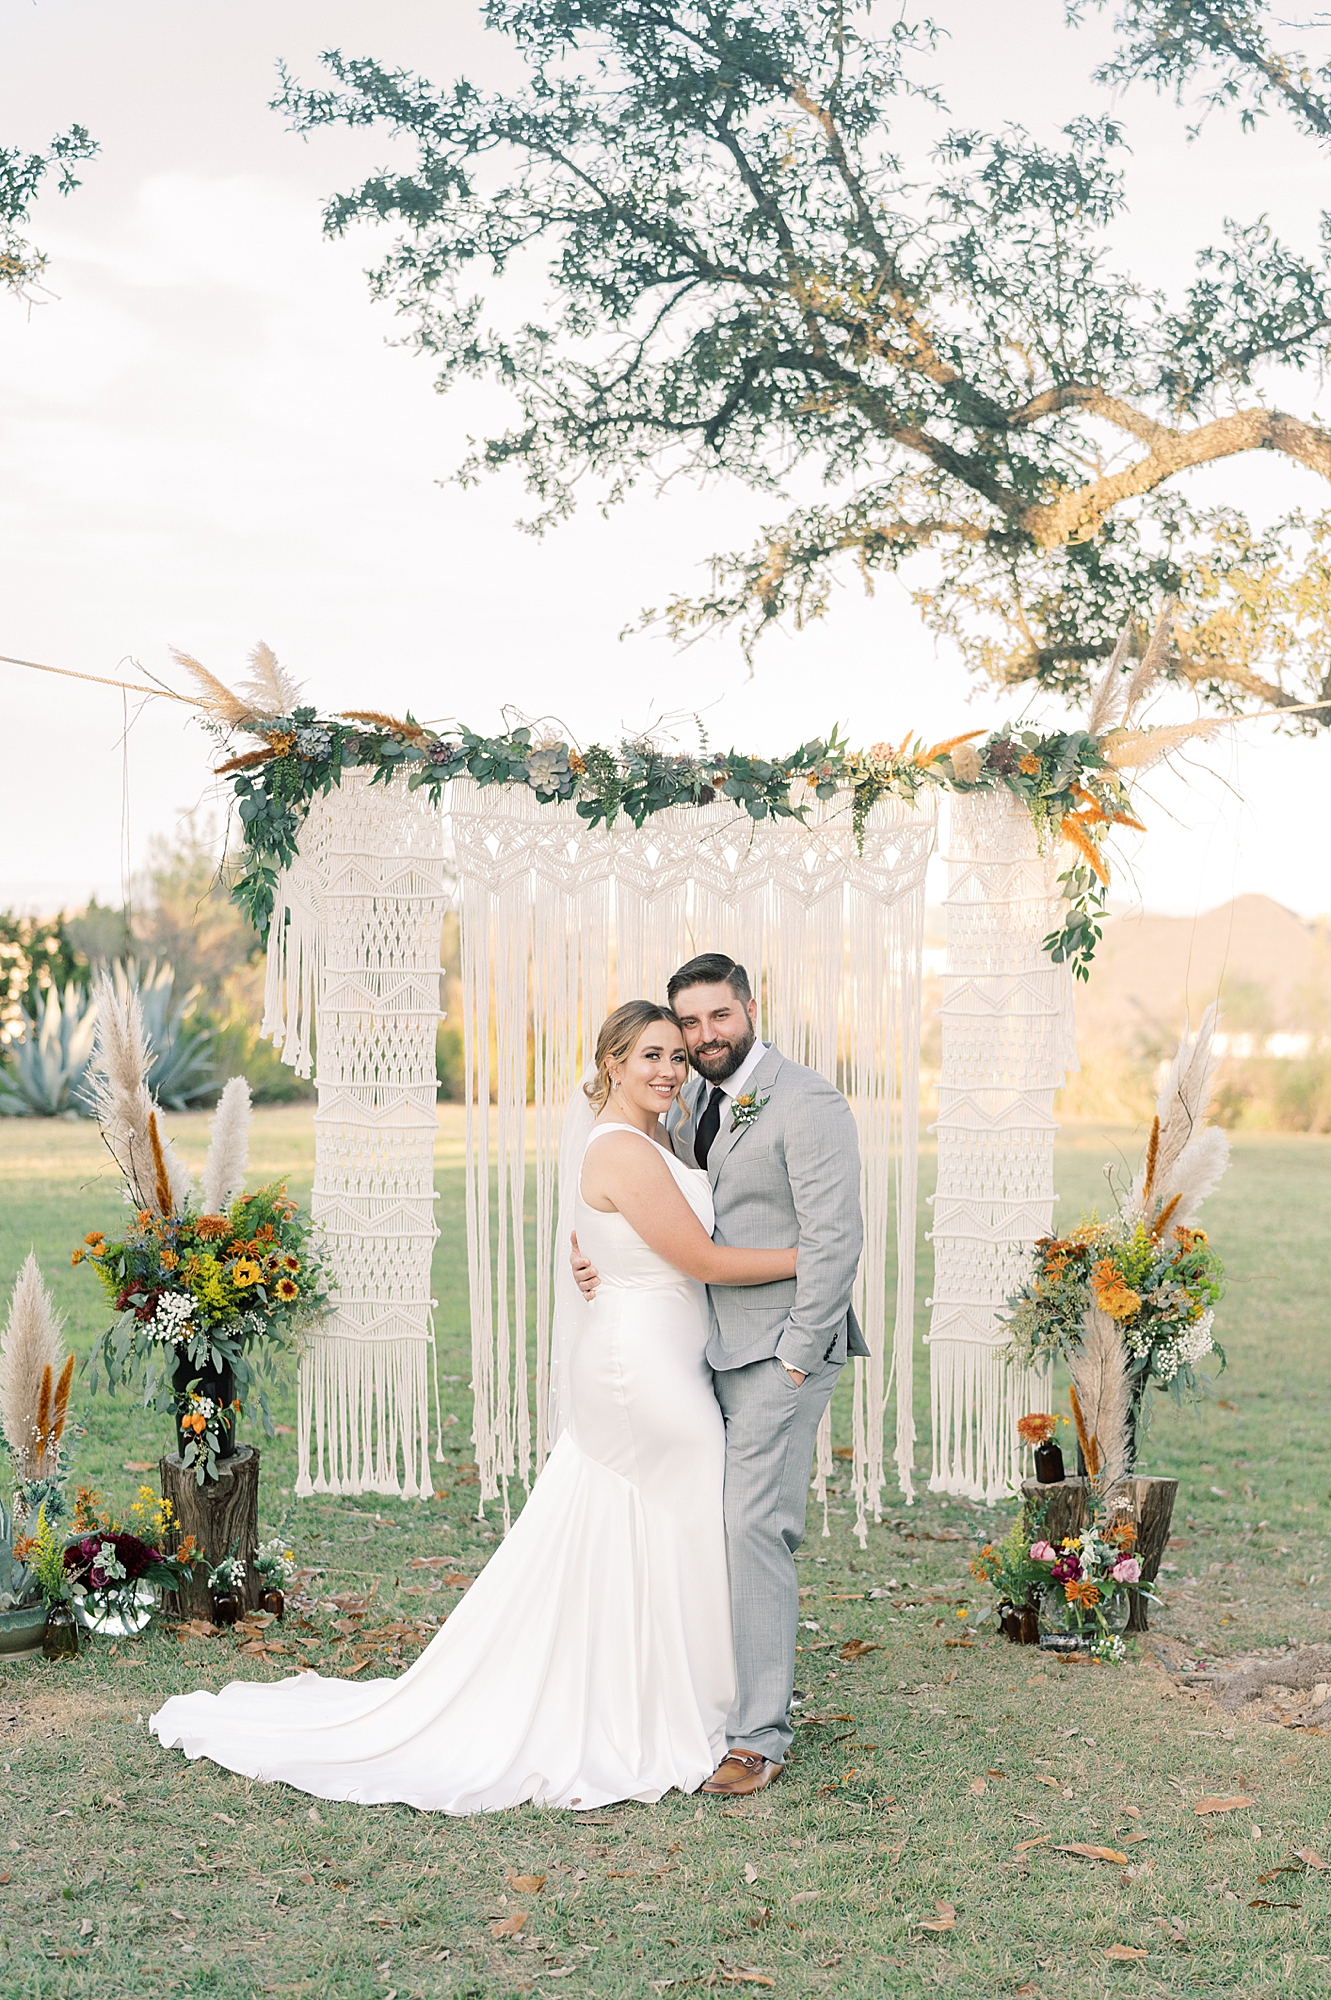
(559, 922)
(1008, 1041)
(354, 980)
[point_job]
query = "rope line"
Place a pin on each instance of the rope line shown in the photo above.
(134, 687)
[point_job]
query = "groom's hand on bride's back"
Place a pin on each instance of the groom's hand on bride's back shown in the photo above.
(585, 1274)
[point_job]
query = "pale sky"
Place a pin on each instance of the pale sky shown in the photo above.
(207, 438)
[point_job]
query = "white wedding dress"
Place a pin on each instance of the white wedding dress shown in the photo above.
(591, 1660)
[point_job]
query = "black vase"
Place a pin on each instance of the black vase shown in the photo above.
(273, 1601)
(220, 1385)
(226, 1607)
(1048, 1463)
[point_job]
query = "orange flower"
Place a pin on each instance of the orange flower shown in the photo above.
(1029, 765)
(210, 1226)
(1112, 1294)
(168, 1260)
(196, 1422)
(1074, 832)
(93, 1238)
(281, 742)
(1081, 1592)
(77, 1256)
(1037, 1428)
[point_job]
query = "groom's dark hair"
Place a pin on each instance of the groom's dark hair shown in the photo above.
(711, 968)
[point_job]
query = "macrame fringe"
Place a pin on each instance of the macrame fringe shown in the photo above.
(363, 1410)
(293, 968)
(1007, 1044)
(976, 1399)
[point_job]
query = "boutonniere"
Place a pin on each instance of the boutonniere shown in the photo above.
(745, 1109)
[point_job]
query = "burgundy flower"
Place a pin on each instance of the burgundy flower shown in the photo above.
(1001, 756)
(1067, 1569)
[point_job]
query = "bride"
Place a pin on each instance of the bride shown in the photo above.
(591, 1660)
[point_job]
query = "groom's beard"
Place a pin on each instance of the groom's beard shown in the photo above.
(720, 1059)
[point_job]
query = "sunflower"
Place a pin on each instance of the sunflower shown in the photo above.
(287, 1289)
(245, 1272)
(291, 1264)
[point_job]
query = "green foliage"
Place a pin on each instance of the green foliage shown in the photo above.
(747, 273)
(47, 1561)
(45, 1069)
(1008, 1565)
(21, 176)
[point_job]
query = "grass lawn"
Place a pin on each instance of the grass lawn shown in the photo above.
(934, 1781)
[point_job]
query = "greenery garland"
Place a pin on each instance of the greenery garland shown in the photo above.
(1064, 779)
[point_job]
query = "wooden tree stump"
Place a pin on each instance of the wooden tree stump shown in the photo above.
(223, 1517)
(1067, 1508)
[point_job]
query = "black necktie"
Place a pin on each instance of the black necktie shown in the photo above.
(708, 1125)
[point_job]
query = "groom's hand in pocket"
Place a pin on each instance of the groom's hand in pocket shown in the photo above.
(585, 1274)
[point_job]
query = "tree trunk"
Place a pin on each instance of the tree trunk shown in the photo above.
(1067, 1509)
(223, 1517)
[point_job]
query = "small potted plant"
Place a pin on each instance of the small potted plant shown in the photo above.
(275, 1566)
(60, 1640)
(1017, 1578)
(224, 1585)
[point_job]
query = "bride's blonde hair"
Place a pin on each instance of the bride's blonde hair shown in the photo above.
(617, 1039)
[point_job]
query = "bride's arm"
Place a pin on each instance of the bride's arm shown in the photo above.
(620, 1174)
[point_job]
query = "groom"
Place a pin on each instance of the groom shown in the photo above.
(779, 1146)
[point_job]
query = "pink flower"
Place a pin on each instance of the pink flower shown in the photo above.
(1126, 1570)
(1043, 1552)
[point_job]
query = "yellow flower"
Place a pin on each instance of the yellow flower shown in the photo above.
(245, 1272)
(168, 1260)
(77, 1256)
(1029, 764)
(287, 1289)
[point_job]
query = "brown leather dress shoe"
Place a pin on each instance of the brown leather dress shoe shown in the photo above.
(741, 1773)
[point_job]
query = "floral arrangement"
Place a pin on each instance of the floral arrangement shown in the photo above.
(228, 1575)
(114, 1562)
(1130, 1302)
(274, 1564)
(1011, 1566)
(35, 1382)
(1092, 1570)
(210, 1285)
(1069, 779)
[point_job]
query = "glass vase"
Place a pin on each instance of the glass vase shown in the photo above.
(1049, 1463)
(121, 1611)
(60, 1640)
(1079, 1628)
(273, 1601)
(1020, 1623)
(226, 1607)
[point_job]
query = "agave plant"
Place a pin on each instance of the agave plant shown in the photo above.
(47, 1067)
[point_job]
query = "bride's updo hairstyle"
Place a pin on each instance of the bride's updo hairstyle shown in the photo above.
(618, 1038)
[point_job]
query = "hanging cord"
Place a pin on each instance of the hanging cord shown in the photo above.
(134, 687)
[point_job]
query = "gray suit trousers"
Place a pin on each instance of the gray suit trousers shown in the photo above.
(771, 1425)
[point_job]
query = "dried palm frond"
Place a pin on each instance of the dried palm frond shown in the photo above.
(29, 1356)
(247, 761)
(1073, 830)
(1106, 703)
(60, 1407)
(122, 1103)
(228, 1147)
(1100, 1377)
(161, 1178)
(931, 756)
(218, 698)
(270, 690)
(1084, 1438)
(1144, 674)
(376, 716)
(1138, 749)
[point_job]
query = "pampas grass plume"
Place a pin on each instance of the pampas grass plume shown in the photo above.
(1099, 1370)
(270, 690)
(29, 1357)
(228, 1148)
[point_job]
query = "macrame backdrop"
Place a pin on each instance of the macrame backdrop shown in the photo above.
(354, 972)
(1008, 1041)
(559, 922)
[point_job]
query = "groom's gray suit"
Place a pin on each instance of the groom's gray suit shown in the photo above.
(791, 1174)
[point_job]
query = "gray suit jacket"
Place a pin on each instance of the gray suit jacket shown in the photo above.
(791, 1175)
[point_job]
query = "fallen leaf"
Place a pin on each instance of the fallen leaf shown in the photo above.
(139, 1465)
(5, 1881)
(858, 1649)
(226, 1819)
(1132, 1812)
(1274, 1874)
(805, 1719)
(1261, 1903)
(1038, 1841)
(1131, 1953)
(1311, 1858)
(1028, 1991)
(1092, 1853)
(978, 1787)
(284, 1430)
(1040, 1779)
(750, 1873)
(509, 1926)
(1205, 1806)
(1174, 1931)
(944, 1920)
(806, 1896)
(995, 1774)
(526, 1885)
(747, 1975)
(313, 1816)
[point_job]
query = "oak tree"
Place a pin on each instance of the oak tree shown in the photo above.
(746, 273)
